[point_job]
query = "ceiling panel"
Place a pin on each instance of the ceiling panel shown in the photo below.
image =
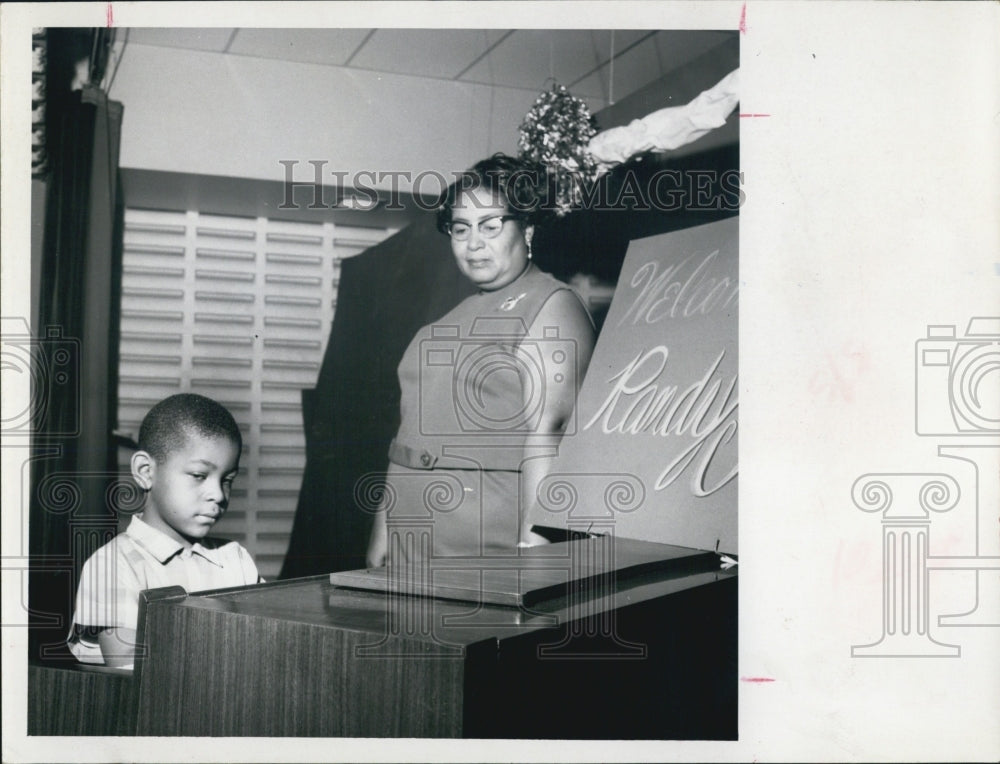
(623, 39)
(423, 52)
(311, 46)
(524, 58)
(676, 48)
(635, 68)
(592, 86)
(192, 38)
(529, 57)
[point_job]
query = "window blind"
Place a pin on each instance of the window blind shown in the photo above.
(238, 309)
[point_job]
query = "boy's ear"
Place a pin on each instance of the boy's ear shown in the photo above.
(143, 469)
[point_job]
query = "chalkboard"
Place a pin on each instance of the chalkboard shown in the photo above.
(651, 453)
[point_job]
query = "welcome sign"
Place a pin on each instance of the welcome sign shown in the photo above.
(652, 453)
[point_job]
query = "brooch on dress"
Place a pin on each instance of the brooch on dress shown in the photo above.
(510, 302)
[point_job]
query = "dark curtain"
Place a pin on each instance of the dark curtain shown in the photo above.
(75, 377)
(386, 294)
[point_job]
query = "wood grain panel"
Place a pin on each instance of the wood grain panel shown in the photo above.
(78, 700)
(655, 659)
(213, 672)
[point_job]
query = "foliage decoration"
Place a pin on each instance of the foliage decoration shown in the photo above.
(555, 133)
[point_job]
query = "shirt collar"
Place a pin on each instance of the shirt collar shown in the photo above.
(161, 546)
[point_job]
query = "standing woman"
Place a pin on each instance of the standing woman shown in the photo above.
(487, 390)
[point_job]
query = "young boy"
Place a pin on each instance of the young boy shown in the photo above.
(189, 453)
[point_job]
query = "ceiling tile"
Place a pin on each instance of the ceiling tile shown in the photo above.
(676, 48)
(193, 38)
(634, 69)
(624, 38)
(594, 83)
(529, 57)
(423, 52)
(593, 86)
(311, 46)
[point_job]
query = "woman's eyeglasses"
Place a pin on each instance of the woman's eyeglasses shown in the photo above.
(489, 228)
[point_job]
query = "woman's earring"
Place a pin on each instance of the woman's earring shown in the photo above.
(528, 240)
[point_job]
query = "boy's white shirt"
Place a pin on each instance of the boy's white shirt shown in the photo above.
(143, 557)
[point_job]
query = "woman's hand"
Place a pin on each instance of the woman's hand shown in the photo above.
(530, 538)
(378, 543)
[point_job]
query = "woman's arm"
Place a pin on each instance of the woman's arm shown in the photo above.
(560, 383)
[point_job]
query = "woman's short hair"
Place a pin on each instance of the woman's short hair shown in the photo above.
(519, 183)
(166, 427)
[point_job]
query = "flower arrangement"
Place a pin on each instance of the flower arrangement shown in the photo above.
(555, 133)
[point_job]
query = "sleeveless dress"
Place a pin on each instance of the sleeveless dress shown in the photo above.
(468, 402)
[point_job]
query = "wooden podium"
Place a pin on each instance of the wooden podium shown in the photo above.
(646, 650)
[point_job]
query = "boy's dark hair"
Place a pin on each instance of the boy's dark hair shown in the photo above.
(167, 425)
